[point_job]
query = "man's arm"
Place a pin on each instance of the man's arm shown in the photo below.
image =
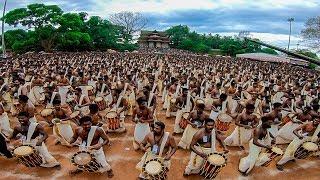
(75, 136)
(256, 134)
(41, 131)
(219, 137)
(105, 138)
(195, 139)
(296, 131)
(173, 146)
(143, 144)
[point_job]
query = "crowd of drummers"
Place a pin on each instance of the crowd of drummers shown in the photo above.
(271, 110)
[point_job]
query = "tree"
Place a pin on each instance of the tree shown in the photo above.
(177, 34)
(307, 53)
(34, 16)
(131, 22)
(311, 33)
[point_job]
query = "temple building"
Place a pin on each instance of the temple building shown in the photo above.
(153, 39)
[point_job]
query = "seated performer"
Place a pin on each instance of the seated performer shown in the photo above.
(93, 139)
(195, 121)
(203, 143)
(261, 139)
(245, 123)
(157, 144)
(185, 104)
(307, 132)
(142, 115)
(33, 134)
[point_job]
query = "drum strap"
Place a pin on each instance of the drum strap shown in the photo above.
(119, 101)
(150, 99)
(31, 130)
(163, 143)
(2, 86)
(90, 135)
(213, 141)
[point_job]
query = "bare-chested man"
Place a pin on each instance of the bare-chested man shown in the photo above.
(275, 117)
(93, 139)
(162, 145)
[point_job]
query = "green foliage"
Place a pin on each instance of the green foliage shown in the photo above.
(177, 34)
(269, 51)
(50, 29)
(307, 53)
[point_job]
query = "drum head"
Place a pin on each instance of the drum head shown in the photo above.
(185, 115)
(310, 146)
(46, 112)
(277, 150)
(225, 117)
(153, 167)
(173, 100)
(89, 88)
(74, 114)
(98, 99)
(23, 150)
(111, 114)
(55, 120)
(217, 159)
(82, 158)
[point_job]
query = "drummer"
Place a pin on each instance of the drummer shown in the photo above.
(97, 119)
(203, 142)
(245, 124)
(32, 133)
(261, 139)
(307, 132)
(195, 121)
(159, 144)
(93, 139)
(275, 117)
(62, 112)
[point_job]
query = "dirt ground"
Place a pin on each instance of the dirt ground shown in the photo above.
(123, 160)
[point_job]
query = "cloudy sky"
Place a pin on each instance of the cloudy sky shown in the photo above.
(265, 19)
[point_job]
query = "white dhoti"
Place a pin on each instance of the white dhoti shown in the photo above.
(239, 137)
(101, 159)
(140, 131)
(63, 91)
(5, 125)
(167, 98)
(196, 162)
(255, 157)
(177, 129)
(291, 149)
(63, 132)
(274, 130)
(187, 137)
(285, 134)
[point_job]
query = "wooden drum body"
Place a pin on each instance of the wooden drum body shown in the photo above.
(101, 103)
(213, 165)
(28, 156)
(154, 169)
(223, 122)
(240, 107)
(305, 150)
(113, 120)
(85, 161)
(275, 152)
(183, 122)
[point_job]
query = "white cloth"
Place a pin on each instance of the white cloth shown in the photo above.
(63, 132)
(187, 137)
(140, 131)
(5, 125)
(285, 134)
(239, 136)
(254, 157)
(63, 91)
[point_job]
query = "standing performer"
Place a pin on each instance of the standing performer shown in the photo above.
(157, 144)
(245, 123)
(261, 139)
(306, 132)
(142, 115)
(33, 134)
(203, 143)
(93, 139)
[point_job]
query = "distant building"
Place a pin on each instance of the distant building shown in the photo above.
(153, 39)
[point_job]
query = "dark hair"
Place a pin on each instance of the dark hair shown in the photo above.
(56, 102)
(161, 124)
(264, 119)
(315, 107)
(141, 100)
(201, 106)
(93, 108)
(208, 120)
(85, 119)
(277, 104)
(23, 113)
(23, 98)
(250, 106)
(223, 96)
